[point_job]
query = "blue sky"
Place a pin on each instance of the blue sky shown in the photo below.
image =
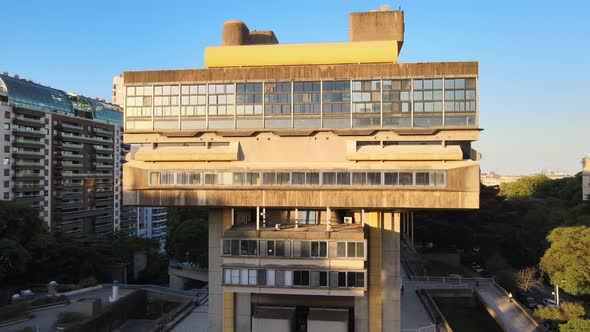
(534, 56)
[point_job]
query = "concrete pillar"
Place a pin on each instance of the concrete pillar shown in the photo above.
(374, 271)
(390, 273)
(228, 312)
(258, 218)
(382, 310)
(328, 226)
(361, 313)
(218, 220)
(243, 307)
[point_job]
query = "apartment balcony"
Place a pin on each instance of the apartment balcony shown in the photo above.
(72, 156)
(101, 131)
(86, 212)
(29, 132)
(104, 167)
(103, 194)
(73, 146)
(34, 166)
(27, 177)
(71, 195)
(30, 198)
(28, 187)
(103, 149)
(100, 158)
(28, 154)
(72, 128)
(66, 137)
(25, 143)
(71, 166)
(292, 231)
(38, 123)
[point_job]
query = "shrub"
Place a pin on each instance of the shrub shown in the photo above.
(27, 329)
(88, 282)
(11, 311)
(67, 317)
(66, 288)
(48, 300)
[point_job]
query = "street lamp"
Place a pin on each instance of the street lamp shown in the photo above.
(556, 293)
(186, 257)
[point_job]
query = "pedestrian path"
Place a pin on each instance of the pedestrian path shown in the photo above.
(507, 314)
(413, 314)
(196, 321)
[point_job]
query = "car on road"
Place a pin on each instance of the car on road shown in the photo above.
(548, 302)
(531, 303)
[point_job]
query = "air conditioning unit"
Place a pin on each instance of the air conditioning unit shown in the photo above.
(277, 227)
(348, 220)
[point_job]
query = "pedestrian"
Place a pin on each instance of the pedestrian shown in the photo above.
(476, 283)
(510, 296)
(402, 289)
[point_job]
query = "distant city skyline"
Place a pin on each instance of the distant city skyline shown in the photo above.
(533, 65)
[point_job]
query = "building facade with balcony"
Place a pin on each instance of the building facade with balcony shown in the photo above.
(63, 154)
(309, 158)
(152, 224)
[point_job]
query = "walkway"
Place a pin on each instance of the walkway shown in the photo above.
(413, 314)
(196, 321)
(508, 315)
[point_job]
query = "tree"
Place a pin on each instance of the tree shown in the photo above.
(564, 312)
(528, 278)
(567, 261)
(525, 187)
(575, 325)
(190, 237)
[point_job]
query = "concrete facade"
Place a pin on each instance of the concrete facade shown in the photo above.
(307, 169)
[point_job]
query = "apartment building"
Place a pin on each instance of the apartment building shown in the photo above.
(152, 224)
(63, 155)
(309, 158)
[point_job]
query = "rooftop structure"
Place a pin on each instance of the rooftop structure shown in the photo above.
(310, 158)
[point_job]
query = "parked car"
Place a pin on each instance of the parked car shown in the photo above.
(531, 303)
(548, 302)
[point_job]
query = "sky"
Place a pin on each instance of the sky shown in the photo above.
(534, 56)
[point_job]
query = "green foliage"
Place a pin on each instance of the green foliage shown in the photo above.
(516, 229)
(13, 258)
(562, 313)
(567, 261)
(188, 234)
(575, 325)
(66, 317)
(12, 311)
(48, 300)
(88, 282)
(27, 329)
(524, 187)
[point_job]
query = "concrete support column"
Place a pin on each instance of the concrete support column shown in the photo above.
(390, 273)
(243, 305)
(218, 220)
(228, 312)
(258, 218)
(328, 226)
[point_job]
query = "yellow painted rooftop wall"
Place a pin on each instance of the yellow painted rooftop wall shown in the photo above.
(301, 54)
